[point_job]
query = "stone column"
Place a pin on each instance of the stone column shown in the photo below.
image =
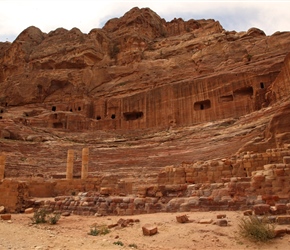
(70, 164)
(85, 163)
(2, 166)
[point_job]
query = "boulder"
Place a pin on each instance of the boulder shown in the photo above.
(182, 218)
(222, 223)
(29, 210)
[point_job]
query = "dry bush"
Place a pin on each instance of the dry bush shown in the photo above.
(258, 229)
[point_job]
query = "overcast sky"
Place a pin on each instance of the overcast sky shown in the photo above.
(17, 15)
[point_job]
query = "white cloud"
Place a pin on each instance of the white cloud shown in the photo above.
(17, 15)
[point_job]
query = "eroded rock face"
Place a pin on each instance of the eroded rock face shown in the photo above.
(140, 71)
(143, 81)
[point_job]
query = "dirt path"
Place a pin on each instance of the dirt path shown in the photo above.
(72, 233)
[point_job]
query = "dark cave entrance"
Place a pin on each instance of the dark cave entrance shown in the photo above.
(130, 116)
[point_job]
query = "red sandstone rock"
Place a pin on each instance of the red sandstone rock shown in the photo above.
(278, 232)
(149, 230)
(29, 210)
(205, 221)
(52, 86)
(283, 219)
(286, 159)
(182, 218)
(261, 209)
(221, 223)
(5, 216)
(281, 208)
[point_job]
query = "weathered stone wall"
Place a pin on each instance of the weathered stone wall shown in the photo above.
(13, 195)
(215, 171)
(224, 184)
(39, 187)
(239, 193)
(266, 186)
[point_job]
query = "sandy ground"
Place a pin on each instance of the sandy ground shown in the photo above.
(72, 233)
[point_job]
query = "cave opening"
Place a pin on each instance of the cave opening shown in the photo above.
(113, 116)
(262, 85)
(130, 116)
(202, 105)
(53, 108)
(98, 117)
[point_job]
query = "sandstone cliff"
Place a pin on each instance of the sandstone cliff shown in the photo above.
(142, 81)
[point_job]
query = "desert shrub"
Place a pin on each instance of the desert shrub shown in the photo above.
(133, 245)
(93, 231)
(39, 216)
(53, 218)
(258, 229)
(42, 216)
(99, 230)
(119, 243)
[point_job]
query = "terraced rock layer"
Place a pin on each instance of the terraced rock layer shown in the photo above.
(141, 93)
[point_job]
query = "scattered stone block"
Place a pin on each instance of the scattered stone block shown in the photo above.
(6, 216)
(113, 225)
(2, 209)
(222, 223)
(105, 191)
(248, 213)
(205, 221)
(122, 222)
(281, 208)
(286, 159)
(283, 219)
(261, 209)
(66, 213)
(29, 210)
(221, 216)
(125, 222)
(149, 230)
(182, 218)
(279, 232)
